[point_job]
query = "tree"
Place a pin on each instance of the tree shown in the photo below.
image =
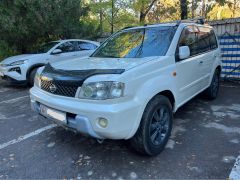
(221, 9)
(142, 8)
(112, 14)
(163, 11)
(24, 22)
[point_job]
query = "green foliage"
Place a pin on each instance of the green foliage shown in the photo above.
(26, 23)
(119, 16)
(164, 11)
(6, 50)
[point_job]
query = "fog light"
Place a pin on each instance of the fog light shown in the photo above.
(103, 122)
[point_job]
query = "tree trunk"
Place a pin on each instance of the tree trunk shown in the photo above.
(112, 30)
(203, 8)
(184, 10)
(193, 8)
(234, 8)
(101, 20)
(142, 17)
(145, 10)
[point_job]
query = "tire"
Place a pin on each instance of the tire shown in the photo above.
(32, 76)
(211, 92)
(155, 127)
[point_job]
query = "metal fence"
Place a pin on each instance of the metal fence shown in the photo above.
(228, 32)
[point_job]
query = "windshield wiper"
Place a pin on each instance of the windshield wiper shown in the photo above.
(109, 56)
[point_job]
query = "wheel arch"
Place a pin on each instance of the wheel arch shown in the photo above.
(167, 93)
(33, 67)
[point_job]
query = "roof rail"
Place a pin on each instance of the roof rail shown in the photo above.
(199, 20)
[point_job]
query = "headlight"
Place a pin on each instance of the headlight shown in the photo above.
(37, 80)
(102, 90)
(18, 63)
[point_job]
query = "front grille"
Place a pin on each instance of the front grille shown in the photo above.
(59, 88)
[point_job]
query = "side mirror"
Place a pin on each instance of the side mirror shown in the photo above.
(184, 52)
(56, 51)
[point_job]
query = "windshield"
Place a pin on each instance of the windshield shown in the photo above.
(137, 43)
(46, 47)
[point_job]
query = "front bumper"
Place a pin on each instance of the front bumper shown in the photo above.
(82, 115)
(13, 76)
(12, 81)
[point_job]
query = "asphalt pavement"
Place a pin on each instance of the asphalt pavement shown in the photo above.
(205, 143)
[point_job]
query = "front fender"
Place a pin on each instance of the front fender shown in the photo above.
(147, 91)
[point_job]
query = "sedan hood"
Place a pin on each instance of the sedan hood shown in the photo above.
(18, 58)
(100, 63)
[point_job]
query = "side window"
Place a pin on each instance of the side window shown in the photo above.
(85, 46)
(189, 38)
(213, 40)
(203, 40)
(67, 47)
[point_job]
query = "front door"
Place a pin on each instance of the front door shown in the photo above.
(68, 52)
(188, 73)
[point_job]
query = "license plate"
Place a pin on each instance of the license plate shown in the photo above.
(52, 113)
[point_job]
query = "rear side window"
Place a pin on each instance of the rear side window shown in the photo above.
(213, 40)
(81, 46)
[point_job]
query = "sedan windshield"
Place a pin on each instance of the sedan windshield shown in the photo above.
(137, 43)
(46, 47)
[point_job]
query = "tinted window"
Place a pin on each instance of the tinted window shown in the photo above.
(213, 40)
(189, 37)
(203, 39)
(67, 47)
(137, 43)
(46, 47)
(85, 46)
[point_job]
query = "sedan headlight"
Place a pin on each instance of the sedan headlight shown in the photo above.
(102, 90)
(37, 80)
(18, 63)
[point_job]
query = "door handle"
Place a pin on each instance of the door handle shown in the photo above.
(200, 62)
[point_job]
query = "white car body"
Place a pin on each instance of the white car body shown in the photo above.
(37, 60)
(143, 78)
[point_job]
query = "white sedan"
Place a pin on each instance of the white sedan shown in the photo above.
(21, 69)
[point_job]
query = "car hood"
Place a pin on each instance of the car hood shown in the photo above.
(18, 58)
(100, 63)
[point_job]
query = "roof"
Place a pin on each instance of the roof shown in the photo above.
(66, 40)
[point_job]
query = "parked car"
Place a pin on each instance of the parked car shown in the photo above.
(21, 69)
(132, 84)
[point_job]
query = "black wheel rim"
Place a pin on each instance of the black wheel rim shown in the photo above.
(159, 125)
(215, 84)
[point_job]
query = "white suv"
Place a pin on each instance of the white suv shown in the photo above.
(132, 84)
(21, 69)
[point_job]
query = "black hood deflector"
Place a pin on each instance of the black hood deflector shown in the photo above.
(76, 77)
